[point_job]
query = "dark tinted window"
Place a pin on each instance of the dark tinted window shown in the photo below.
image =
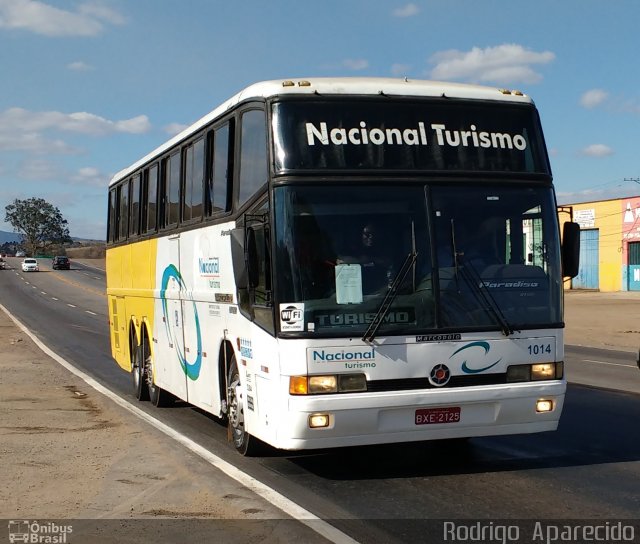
(253, 155)
(134, 219)
(172, 189)
(123, 215)
(220, 177)
(111, 236)
(193, 176)
(152, 198)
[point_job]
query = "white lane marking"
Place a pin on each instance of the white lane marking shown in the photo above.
(42, 293)
(90, 312)
(54, 298)
(289, 507)
(605, 363)
(71, 305)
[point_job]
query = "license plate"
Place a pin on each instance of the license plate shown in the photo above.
(430, 416)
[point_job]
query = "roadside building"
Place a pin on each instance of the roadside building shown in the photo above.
(609, 243)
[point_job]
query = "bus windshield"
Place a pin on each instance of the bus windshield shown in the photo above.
(486, 258)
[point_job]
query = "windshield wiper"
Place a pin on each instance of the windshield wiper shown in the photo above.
(473, 279)
(382, 312)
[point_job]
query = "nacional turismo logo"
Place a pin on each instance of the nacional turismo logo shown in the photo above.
(292, 317)
(40, 533)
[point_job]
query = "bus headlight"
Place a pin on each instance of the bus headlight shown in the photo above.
(323, 384)
(535, 372)
(544, 371)
(331, 383)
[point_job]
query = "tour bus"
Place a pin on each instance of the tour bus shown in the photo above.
(346, 261)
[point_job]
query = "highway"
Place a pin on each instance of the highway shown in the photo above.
(589, 468)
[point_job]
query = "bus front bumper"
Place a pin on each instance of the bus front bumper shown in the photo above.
(377, 418)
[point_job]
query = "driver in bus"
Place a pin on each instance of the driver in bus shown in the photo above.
(374, 257)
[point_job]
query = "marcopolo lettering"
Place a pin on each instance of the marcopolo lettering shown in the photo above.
(364, 135)
(343, 356)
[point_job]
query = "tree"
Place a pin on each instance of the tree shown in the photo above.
(41, 223)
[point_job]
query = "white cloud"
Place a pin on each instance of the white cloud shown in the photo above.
(33, 143)
(406, 11)
(47, 20)
(174, 128)
(90, 176)
(593, 98)
(506, 63)
(18, 121)
(79, 66)
(99, 10)
(597, 150)
(355, 64)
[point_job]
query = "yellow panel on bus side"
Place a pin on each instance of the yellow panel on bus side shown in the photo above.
(131, 280)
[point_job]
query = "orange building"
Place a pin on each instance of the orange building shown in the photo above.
(609, 243)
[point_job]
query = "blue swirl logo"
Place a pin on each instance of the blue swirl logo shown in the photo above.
(192, 370)
(485, 347)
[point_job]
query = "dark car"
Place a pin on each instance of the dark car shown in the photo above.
(61, 263)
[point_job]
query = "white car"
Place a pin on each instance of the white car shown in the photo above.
(30, 265)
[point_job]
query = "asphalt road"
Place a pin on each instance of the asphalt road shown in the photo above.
(588, 469)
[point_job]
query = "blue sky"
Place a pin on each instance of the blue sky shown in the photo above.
(89, 87)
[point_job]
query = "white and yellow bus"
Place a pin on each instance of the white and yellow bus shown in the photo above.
(336, 262)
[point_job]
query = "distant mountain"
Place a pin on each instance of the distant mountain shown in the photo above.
(9, 237)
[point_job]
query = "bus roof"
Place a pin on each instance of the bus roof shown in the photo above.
(362, 86)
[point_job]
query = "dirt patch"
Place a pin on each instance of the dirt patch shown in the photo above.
(70, 453)
(604, 320)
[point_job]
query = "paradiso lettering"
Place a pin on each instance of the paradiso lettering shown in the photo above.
(363, 135)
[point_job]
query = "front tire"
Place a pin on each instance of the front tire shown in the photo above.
(244, 443)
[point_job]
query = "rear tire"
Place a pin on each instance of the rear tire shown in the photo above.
(138, 375)
(244, 443)
(158, 396)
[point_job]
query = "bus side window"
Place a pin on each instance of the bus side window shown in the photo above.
(134, 206)
(123, 214)
(193, 158)
(218, 187)
(111, 228)
(151, 199)
(171, 187)
(253, 155)
(256, 300)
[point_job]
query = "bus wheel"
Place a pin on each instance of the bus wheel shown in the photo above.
(140, 389)
(158, 396)
(242, 440)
